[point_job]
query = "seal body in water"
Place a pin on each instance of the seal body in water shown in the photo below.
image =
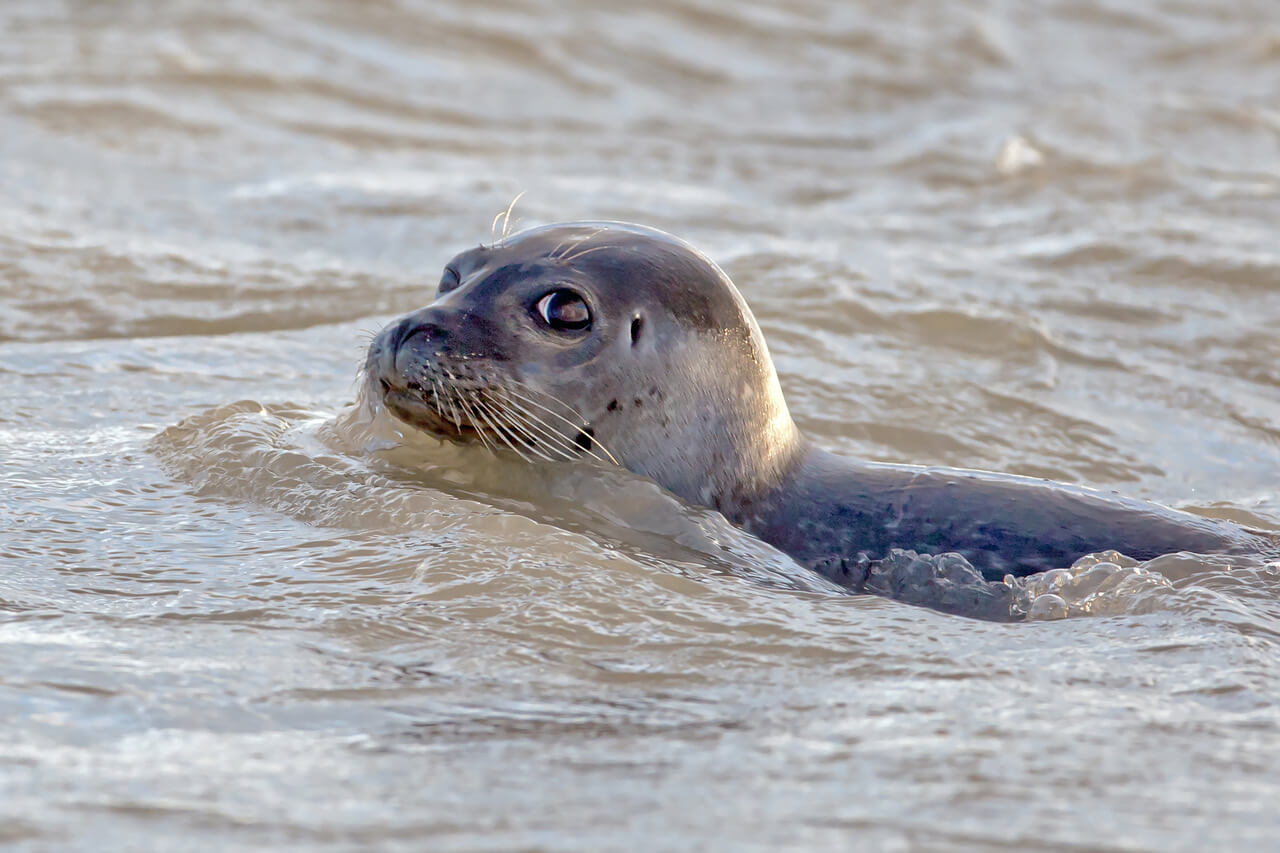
(625, 344)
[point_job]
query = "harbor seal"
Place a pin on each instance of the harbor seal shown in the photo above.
(624, 344)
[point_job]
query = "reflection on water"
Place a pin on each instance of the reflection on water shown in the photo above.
(1032, 237)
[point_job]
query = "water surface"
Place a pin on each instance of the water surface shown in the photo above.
(1032, 237)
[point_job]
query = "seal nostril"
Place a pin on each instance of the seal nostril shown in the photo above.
(423, 337)
(585, 437)
(636, 325)
(386, 386)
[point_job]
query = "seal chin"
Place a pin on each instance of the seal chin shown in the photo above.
(411, 407)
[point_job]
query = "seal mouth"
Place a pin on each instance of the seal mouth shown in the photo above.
(530, 423)
(420, 408)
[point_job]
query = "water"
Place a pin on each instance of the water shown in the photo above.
(1032, 237)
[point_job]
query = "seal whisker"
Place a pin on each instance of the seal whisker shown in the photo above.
(570, 243)
(582, 252)
(502, 412)
(509, 416)
(499, 418)
(574, 447)
(498, 432)
(440, 394)
(505, 216)
(566, 449)
(547, 434)
(558, 246)
(531, 394)
(472, 421)
(484, 415)
(580, 426)
(448, 399)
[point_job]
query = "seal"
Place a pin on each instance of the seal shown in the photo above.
(626, 345)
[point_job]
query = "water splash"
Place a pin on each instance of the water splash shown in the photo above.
(1105, 583)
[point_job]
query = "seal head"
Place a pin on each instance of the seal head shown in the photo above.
(597, 339)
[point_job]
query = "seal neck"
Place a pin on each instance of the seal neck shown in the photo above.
(775, 456)
(795, 508)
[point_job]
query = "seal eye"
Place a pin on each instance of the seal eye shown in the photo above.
(564, 311)
(449, 280)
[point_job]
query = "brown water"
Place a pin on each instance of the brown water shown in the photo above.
(1036, 237)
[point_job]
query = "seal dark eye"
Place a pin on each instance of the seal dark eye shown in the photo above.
(449, 279)
(564, 311)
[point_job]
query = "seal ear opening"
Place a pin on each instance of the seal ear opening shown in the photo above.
(637, 324)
